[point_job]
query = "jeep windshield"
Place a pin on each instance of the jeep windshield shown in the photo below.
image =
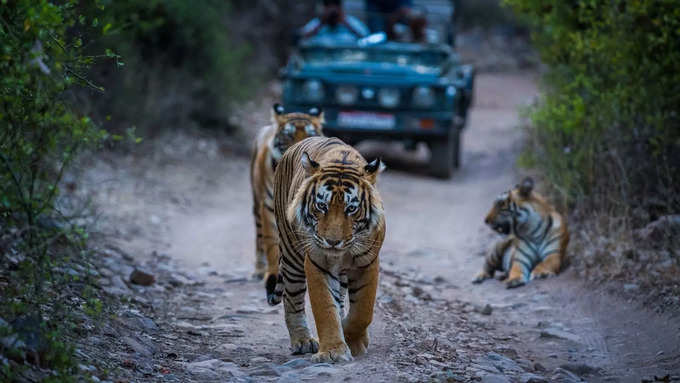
(408, 55)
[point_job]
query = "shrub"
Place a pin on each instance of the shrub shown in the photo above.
(181, 66)
(41, 132)
(605, 131)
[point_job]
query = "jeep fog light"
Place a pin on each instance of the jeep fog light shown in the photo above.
(423, 97)
(312, 90)
(389, 97)
(346, 95)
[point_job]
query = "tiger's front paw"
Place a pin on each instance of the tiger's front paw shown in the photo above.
(304, 345)
(339, 353)
(541, 274)
(481, 277)
(358, 344)
(514, 282)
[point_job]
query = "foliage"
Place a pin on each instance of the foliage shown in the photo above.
(41, 132)
(606, 128)
(178, 65)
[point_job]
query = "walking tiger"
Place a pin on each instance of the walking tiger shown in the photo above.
(273, 140)
(331, 227)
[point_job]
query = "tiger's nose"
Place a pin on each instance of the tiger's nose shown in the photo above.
(332, 242)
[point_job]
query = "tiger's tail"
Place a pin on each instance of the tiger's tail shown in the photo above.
(274, 287)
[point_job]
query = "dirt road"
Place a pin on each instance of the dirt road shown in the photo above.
(185, 212)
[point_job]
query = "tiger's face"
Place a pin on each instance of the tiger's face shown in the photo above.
(295, 127)
(340, 206)
(511, 208)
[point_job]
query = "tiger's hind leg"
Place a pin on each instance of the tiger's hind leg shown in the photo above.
(494, 260)
(362, 288)
(325, 300)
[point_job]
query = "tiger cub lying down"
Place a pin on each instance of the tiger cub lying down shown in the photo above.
(331, 227)
(285, 130)
(536, 241)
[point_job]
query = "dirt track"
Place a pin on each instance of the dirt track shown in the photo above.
(191, 202)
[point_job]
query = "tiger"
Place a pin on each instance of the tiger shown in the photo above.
(272, 141)
(331, 228)
(536, 239)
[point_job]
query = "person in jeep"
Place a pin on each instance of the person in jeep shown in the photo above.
(382, 16)
(334, 24)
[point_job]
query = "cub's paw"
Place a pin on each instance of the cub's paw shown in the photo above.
(359, 344)
(336, 354)
(515, 282)
(481, 277)
(306, 345)
(542, 274)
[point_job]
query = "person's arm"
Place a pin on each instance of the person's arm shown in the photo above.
(311, 28)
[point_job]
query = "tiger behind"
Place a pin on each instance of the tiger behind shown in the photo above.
(273, 140)
(331, 225)
(536, 241)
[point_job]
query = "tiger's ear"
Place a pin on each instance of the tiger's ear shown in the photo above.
(374, 168)
(309, 164)
(526, 187)
(277, 115)
(315, 111)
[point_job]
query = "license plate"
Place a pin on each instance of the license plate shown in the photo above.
(366, 120)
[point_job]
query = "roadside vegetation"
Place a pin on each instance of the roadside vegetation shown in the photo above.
(605, 132)
(77, 77)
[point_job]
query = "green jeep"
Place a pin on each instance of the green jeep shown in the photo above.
(375, 89)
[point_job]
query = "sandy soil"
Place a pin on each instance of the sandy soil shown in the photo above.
(185, 209)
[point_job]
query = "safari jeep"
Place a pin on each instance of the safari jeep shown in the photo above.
(376, 89)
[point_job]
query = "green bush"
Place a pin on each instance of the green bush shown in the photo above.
(41, 133)
(605, 130)
(181, 65)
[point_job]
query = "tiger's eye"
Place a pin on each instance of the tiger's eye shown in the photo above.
(321, 206)
(351, 209)
(310, 130)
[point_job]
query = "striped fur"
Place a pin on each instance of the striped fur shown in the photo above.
(331, 225)
(273, 140)
(536, 241)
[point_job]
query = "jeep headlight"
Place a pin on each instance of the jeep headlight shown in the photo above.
(312, 91)
(389, 97)
(346, 95)
(423, 97)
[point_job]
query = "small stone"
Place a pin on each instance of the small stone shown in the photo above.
(563, 376)
(297, 363)
(532, 378)
(553, 333)
(486, 310)
(142, 278)
(539, 367)
(492, 378)
(259, 359)
(580, 368)
(629, 287)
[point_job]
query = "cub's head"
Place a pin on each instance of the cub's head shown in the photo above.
(295, 127)
(512, 208)
(338, 207)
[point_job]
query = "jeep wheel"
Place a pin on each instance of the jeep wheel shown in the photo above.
(456, 148)
(443, 159)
